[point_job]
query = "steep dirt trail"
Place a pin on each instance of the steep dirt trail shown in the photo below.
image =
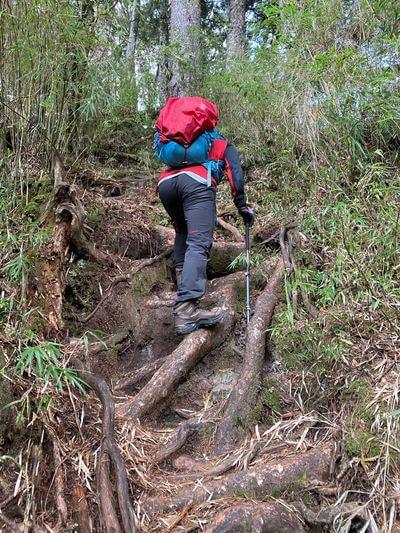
(174, 397)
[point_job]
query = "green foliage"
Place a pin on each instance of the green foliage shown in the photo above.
(18, 268)
(240, 260)
(270, 396)
(42, 360)
(94, 215)
(314, 105)
(6, 306)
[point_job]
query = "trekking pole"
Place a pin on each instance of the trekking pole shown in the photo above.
(247, 241)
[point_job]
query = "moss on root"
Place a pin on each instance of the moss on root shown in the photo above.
(270, 396)
(147, 280)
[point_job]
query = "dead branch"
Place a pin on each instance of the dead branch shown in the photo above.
(183, 358)
(146, 371)
(11, 497)
(109, 448)
(285, 247)
(281, 474)
(125, 278)
(69, 214)
(243, 397)
(229, 227)
(80, 510)
(69, 207)
(59, 484)
(180, 517)
(269, 517)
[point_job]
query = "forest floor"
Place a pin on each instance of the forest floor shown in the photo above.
(226, 441)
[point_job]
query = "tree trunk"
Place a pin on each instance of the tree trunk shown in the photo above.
(78, 75)
(235, 38)
(133, 29)
(162, 67)
(185, 35)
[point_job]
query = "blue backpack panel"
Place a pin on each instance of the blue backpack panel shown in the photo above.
(176, 155)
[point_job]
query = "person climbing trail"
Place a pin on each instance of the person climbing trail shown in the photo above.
(196, 156)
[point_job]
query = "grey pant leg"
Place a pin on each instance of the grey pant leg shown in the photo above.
(199, 211)
(173, 203)
(180, 248)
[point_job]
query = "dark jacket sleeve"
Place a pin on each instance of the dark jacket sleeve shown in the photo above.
(234, 173)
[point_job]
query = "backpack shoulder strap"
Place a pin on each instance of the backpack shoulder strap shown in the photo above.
(217, 149)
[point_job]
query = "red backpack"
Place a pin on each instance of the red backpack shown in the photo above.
(183, 122)
(184, 119)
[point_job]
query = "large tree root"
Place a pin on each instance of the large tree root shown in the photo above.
(243, 397)
(279, 475)
(109, 453)
(145, 371)
(250, 517)
(273, 517)
(228, 227)
(184, 357)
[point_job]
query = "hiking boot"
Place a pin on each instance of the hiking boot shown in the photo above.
(189, 317)
(178, 274)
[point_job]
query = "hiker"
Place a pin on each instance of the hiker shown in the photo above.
(196, 156)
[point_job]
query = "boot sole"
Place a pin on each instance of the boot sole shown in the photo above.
(202, 323)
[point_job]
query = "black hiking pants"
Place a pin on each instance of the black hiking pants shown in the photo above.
(191, 206)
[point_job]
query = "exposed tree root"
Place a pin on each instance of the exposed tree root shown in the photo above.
(183, 358)
(146, 371)
(243, 397)
(279, 475)
(110, 452)
(108, 513)
(68, 234)
(178, 440)
(271, 517)
(275, 516)
(235, 232)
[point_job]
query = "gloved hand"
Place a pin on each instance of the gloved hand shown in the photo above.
(247, 214)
